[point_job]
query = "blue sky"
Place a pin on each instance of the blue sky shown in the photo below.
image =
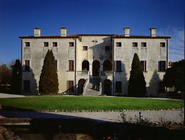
(19, 17)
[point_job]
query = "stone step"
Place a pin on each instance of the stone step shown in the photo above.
(91, 92)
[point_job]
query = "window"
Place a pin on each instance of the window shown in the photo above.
(85, 48)
(70, 86)
(134, 44)
(118, 66)
(118, 86)
(143, 44)
(85, 65)
(71, 65)
(46, 44)
(162, 66)
(27, 44)
(162, 44)
(26, 86)
(27, 65)
(118, 44)
(71, 44)
(107, 48)
(55, 44)
(143, 64)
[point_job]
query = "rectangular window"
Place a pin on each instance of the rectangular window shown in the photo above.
(107, 48)
(134, 44)
(71, 44)
(118, 66)
(162, 44)
(46, 44)
(143, 44)
(85, 48)
(118, 87)
(55, 44)
(27, 65)
(71, 65)
(162, 66)
(26, 86)
(70, 86)
(27, 44)
(143, 64)
(118, 44)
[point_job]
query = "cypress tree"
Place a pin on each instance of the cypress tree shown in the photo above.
(16, 78)
(137, 84)
(48, 83)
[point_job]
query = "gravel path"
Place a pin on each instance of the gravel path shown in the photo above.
(131, 116)
(175, 116)
(5, 95)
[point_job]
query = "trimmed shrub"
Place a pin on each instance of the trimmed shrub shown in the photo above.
(48, 83)
(16, 79)
(137, 84)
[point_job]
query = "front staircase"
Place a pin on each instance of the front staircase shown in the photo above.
(88, 89)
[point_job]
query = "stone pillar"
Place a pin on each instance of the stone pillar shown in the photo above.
(101, 89)
(100, 75)
(90, 67)
(101, 69)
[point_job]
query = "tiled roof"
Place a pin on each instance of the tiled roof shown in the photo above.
(78, 35)
(139, 36)
(51, 36)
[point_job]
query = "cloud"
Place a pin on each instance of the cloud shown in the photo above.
(176, 43)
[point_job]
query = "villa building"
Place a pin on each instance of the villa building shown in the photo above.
(94, 64)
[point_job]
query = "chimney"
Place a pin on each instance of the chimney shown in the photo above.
(153, 32)
(63, 31)
(37, 32)
(127, 31)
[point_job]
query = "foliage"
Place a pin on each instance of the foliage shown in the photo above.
(48, 83)
(64, 103)
(175, 76)
(16, 79)
(137, 84)
(5, 74)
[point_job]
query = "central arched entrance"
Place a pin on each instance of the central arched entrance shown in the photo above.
(95, 68)
(107, 87)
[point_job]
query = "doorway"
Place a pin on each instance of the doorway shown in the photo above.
(81, 83)
(107, 87)
(96, 68)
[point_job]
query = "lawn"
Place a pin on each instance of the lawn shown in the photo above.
(78, 103)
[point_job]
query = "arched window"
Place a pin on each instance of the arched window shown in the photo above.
(85, 65)
(107, 65)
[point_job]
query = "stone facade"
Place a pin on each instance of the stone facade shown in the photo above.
(99, 61)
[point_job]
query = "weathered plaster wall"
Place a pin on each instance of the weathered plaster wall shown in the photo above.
(152, 54)
(36, 54)
(96, 51)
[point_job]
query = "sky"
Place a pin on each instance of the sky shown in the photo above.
(19, 17)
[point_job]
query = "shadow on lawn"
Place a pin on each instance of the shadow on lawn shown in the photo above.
(50, 125)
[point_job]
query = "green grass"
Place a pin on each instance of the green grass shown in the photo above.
(64, 103)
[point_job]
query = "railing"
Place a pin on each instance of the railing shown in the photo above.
(85, 85)
(76, 89)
